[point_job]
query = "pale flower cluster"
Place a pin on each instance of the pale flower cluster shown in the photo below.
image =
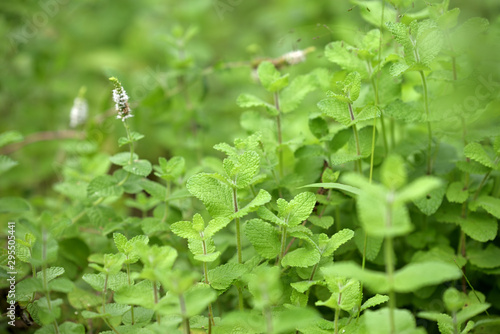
(120, 98)
(79, 112)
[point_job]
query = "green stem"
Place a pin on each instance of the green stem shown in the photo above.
(389, 267)
(283, 242)
(336, 321)
(104, 293)
(44, 278)
(210, 311)
(129, 284)
(237, 221)
(155, 295)
(429, 129)
(167, 195)
(185, 318)
(131, 144)
(238, 245)
(280, 139)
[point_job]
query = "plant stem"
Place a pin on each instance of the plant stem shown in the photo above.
(280, 139)
(429, 129)
(185, 318)
(129, 284)
(336, 321)
(44, 277)
(238, 245)
(104, 293)
(155, 294)
(237, 221)
(283, 242)
(389, 266)
(205, 272)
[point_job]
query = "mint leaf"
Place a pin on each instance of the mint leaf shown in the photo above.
(217, 196)
(184, 229)
(374, 301)
(139, 167)
(271, 78)
(264, 238)
(262, 198)
(301, 257)
(456, 192)
(250, 101)
(123, 158)
(10, 137)
(104, 186)
(485, 258)
(488, 203)
(335, 109)
(417, 275)
(337, 240)
(221, 277)
(477, 152)
(344, 55)
(6, 163)
(292, 95)
(299, 209)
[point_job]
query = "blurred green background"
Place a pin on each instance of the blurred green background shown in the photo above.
(182, 63)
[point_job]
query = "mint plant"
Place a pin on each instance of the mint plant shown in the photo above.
(355, 190)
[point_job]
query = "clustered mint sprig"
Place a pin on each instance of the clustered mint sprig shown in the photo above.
(120, 98)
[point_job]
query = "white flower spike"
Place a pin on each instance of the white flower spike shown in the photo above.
(120, 98)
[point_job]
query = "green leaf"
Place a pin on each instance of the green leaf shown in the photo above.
(471, 311)
(490, 204)
(299, 209)
(371, 11)
(104, 186)
(214, 226)
(290, 319)
(352, 86)
(96, 281)
(344, 55)
(221, 277)
(457, 192)
(271, 78)
(485, 258)
(449, 19)
(373, 280)
(477, 152)
(419, 188)
(50, 273)
(139, 167)
(71, 328)
(429, 41)
(10, 137)
(13, 205)
(243, 169)
(292, 95)
(417, 275)
(171, 169)
(480, 227)
(378, 322)
(158, 261)
(184, 229)
(210, 257)
(197, 299)
(339, 186)
(432, 201)
(138, 294)
(217, 196)
(154, 189)
(6, 163)
(301, 257)
(393, 174)
(250, 101)
(374, 301)
(373, 244)
(123, 158)
(323, 222)
(335, 109)
(264, 238)
(337, 240)
(345, 293)
(262, 198)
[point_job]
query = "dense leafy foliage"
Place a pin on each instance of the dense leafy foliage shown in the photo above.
(353, 187)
